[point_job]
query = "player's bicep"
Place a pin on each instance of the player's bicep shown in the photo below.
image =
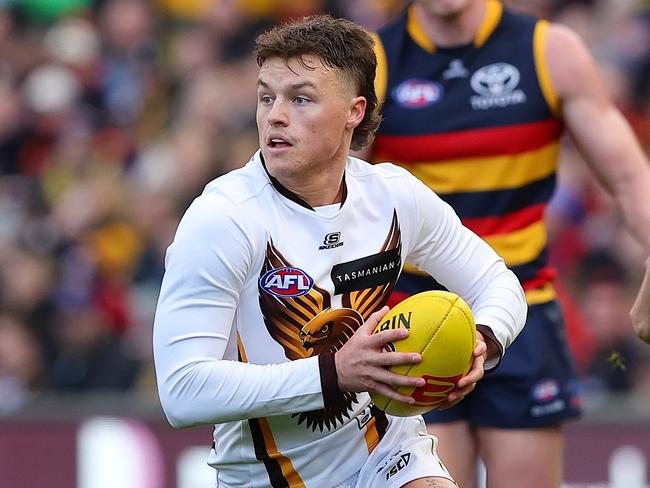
(446, 249)
(597, 127)
(585, 104)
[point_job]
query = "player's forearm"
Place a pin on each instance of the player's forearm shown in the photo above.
(617, 161)
(216, 391)
(501, 306)
(633, 199)
(640, 313)
(468, 266)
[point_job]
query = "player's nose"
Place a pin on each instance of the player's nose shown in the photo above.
(277, 114)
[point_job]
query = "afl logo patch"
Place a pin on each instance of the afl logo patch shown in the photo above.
(417, 93)
(545, 390)
(286, 282)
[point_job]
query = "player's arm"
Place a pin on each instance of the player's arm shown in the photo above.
(195, 346)
(640, 313)
(467, 265)
(599, 130)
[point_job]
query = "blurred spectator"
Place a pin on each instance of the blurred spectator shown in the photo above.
(26, 283)
(606, 298)
(21, 367)
(11, 121)
(130, 58)
(91, 356)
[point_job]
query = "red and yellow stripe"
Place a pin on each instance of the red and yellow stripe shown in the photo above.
(493, 141)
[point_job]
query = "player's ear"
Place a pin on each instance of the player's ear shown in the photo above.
(357, 112)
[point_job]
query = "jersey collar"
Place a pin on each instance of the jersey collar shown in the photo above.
(494, 10)
(285, 192)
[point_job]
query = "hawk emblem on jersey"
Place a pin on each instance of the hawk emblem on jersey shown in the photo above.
(306, 325)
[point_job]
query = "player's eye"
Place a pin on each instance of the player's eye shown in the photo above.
(266, 99)
(300, 100)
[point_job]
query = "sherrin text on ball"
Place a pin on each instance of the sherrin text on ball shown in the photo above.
(441, 328)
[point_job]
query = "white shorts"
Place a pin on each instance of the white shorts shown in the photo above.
(406, 452)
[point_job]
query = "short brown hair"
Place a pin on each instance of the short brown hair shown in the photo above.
(340, 44)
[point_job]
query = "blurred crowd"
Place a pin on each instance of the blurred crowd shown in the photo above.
(115, 113)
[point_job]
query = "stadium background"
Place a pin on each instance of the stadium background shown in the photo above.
(113, 116)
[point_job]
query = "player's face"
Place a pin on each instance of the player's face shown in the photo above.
(445, 8)
(305, 117)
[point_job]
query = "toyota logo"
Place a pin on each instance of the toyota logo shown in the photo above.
(495, 79)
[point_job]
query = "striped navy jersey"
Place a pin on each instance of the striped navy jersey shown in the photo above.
(478, 124)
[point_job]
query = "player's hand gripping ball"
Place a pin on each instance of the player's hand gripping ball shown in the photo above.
(442, 330)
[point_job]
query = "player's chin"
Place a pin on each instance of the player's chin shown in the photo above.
(278, 164)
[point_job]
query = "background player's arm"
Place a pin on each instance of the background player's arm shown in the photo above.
(640, 313)
(603, 137)
(599, 130)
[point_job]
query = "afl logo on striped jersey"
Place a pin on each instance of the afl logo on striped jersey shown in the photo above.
(286, 282)
(417, 93)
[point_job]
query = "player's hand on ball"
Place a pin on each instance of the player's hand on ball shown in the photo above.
(468, 382)
(361, 364)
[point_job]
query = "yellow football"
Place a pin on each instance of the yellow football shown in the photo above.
(442, 330)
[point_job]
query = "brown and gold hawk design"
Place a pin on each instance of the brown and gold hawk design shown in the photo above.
(307, 325)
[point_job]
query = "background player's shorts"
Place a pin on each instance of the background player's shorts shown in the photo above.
(406, 453)
(534, 386)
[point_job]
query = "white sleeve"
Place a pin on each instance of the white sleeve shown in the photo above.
(206, 268)
(464, 263)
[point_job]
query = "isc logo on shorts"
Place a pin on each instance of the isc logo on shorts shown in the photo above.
(402, 462)
(286, 282)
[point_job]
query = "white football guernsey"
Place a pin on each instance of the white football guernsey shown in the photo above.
(260, 290)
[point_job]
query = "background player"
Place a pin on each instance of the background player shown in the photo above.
(476, 98)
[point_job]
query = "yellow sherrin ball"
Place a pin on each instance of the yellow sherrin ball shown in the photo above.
(442, 330)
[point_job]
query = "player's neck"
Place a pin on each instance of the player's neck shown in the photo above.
(319, 189)
(321, 197)
(453, 30)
